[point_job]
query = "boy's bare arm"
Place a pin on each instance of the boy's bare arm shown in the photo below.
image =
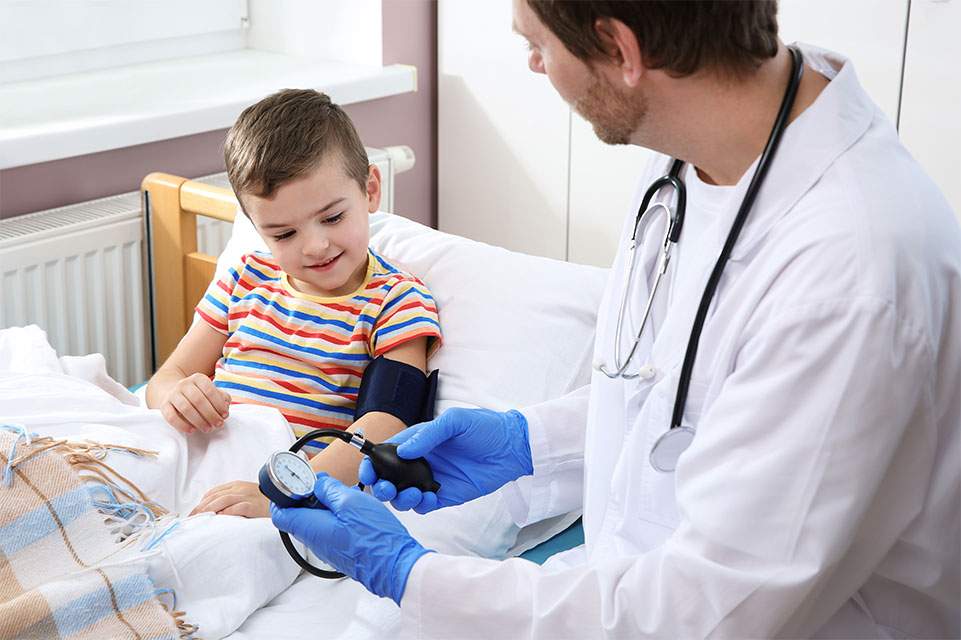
(182, 388)
(341, 460)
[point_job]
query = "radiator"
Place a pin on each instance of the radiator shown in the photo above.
(78, 272)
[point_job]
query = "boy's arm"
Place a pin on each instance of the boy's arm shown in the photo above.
(182, 388)
(340, 459)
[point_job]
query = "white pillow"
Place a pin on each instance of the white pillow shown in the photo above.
(517, 329)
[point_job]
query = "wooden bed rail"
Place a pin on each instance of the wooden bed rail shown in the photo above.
(180, 274)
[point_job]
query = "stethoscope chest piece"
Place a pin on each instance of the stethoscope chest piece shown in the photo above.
(669, 447)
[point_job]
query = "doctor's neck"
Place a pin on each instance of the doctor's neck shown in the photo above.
(720, 124)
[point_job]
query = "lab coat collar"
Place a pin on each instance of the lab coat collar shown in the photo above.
(810, 144)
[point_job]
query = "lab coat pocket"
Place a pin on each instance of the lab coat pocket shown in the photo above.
(649, 495)
(648, 505)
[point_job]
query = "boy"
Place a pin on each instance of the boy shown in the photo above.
(295, 328)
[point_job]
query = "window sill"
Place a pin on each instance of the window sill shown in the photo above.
(66, 116)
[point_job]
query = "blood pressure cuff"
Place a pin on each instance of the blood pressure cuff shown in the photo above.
(399, 389)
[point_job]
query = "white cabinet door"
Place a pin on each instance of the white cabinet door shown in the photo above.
(502, 135)
(602, 181)
(868, 32)
(931, 101)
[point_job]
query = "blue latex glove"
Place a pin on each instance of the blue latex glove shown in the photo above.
(472, 452)
(358, 536)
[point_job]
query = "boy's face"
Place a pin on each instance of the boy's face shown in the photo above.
(317, 227)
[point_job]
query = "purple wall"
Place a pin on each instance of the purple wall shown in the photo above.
(410, 37)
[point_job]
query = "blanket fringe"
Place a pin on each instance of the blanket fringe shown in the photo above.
(187, 631)
(87, 459)
(125, 501)
(30, 439)
(127, 510)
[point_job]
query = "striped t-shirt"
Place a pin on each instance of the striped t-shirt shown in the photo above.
(303, 354)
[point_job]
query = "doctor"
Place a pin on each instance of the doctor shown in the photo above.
(820, 492)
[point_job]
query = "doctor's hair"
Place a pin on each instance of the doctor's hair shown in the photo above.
(680, 36)
(284, 136)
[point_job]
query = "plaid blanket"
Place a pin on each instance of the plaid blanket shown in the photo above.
(63, 573)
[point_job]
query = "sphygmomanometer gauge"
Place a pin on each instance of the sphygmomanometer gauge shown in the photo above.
(288, 480)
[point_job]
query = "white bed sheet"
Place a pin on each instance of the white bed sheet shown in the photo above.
(222, 568)
(517, 330)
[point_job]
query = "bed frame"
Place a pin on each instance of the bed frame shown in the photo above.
(178, 273)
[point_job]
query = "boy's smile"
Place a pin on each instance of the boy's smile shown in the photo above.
(317, 227)
(324, 266)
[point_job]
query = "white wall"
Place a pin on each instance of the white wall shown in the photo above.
(511, 165)
(502, 135)
(343, 30)
(56, 37)
(930, 124)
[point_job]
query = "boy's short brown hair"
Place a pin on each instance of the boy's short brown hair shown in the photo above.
(284, 136)
(682, 36)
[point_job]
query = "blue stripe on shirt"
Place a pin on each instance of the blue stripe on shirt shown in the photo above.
(301, 349)
(232, 364)
(290, 398)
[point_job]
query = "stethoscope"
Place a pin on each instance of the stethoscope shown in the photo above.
(671, 444)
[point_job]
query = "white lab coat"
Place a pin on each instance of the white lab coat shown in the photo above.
(821, 494)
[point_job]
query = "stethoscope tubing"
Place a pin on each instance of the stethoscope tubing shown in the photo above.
(672, 179)
(780, 124)
(672, 233)
(669, 446)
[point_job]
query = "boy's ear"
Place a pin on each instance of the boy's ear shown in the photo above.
(374, 191)
(622, 48)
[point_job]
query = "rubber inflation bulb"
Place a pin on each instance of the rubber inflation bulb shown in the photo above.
(402, 473)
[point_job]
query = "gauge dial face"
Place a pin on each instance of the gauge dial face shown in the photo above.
(292, 474)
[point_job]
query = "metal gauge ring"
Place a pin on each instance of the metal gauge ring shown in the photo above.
(288, 480)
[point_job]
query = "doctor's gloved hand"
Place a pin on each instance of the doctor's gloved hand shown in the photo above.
(472, 452)
(358, 536)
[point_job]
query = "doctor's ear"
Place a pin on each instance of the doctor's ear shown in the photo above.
(622, 48)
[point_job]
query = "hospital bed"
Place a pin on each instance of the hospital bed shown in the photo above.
(517, 330)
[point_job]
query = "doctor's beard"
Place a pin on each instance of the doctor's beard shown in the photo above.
(615, 117)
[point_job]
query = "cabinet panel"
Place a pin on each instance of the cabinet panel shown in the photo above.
(502, 135)
(931, 102)
(603, 178)
(868, 32)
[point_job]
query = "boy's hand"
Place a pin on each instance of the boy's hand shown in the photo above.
(236, 498)
(196, 403)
